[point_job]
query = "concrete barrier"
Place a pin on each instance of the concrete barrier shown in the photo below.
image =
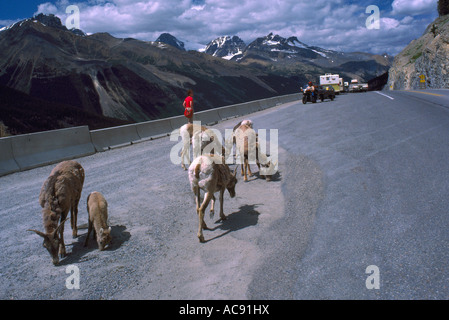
(177, 122)
(228, 112)
(238, 110)
(154, 129)
(42, 148)
(290, 98)
(104, 139)
(7, 162)
(207, 117)
(253, 107)
(32, 150)
(264, 104)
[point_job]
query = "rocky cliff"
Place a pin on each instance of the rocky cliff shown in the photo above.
(428, 56)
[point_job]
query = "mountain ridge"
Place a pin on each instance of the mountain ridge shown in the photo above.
(126, 79)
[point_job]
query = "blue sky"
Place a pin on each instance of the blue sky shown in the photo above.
(330, 24)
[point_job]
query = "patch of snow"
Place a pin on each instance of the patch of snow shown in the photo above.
(271, 43)
(284, 51)
(320, 53)
(232, 55)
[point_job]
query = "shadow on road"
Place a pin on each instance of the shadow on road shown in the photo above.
(119, 236)
(246, 216)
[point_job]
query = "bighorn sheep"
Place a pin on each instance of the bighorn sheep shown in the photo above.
(199, 137)
(60, 193)
(97, 208)
(248, 123)
(210, 174)
(186, 132)
(248, 150)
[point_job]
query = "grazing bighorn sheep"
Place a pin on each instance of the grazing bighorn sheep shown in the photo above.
(97, 208)
(210, 174)
(60, 193)
(248, 150)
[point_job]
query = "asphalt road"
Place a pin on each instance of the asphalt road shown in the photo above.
(363, 181)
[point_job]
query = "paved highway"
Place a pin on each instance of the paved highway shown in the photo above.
(363, 181)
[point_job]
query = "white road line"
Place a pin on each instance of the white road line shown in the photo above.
(384, 95)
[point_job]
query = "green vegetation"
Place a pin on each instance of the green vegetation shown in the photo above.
(434, 30)
(415, 57)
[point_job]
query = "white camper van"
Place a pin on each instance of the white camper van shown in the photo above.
(333, 80)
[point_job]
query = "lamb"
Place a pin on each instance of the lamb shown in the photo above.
(210, 174)
(60, 193)
(97, 208)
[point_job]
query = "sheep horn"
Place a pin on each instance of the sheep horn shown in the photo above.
(60, 225)
(38, 232)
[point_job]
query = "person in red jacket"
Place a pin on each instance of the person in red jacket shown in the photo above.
(188, 106)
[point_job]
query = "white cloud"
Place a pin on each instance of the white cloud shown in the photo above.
(336, 24)
(47, 8)
(389, 23)
(414, 7)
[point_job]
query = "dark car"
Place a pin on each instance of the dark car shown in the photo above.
(326, 92)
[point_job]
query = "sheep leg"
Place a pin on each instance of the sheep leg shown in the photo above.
(182, 159)
(246, 167)
(185, 152)
(196, 192)
(202, 225)
(249, 168)
(74, 219)
(89, 230)
(222, 215)
(212, 206)
(62, 252)
(260, 175)
(198, 201)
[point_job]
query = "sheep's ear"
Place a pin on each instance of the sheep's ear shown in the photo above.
(38, 232)
(101, 231)
(109, 229)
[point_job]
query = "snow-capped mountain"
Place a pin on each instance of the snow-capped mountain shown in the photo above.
(276, 48)
(292, 54)
(226, 47)
(167, 38)
(46, 20)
